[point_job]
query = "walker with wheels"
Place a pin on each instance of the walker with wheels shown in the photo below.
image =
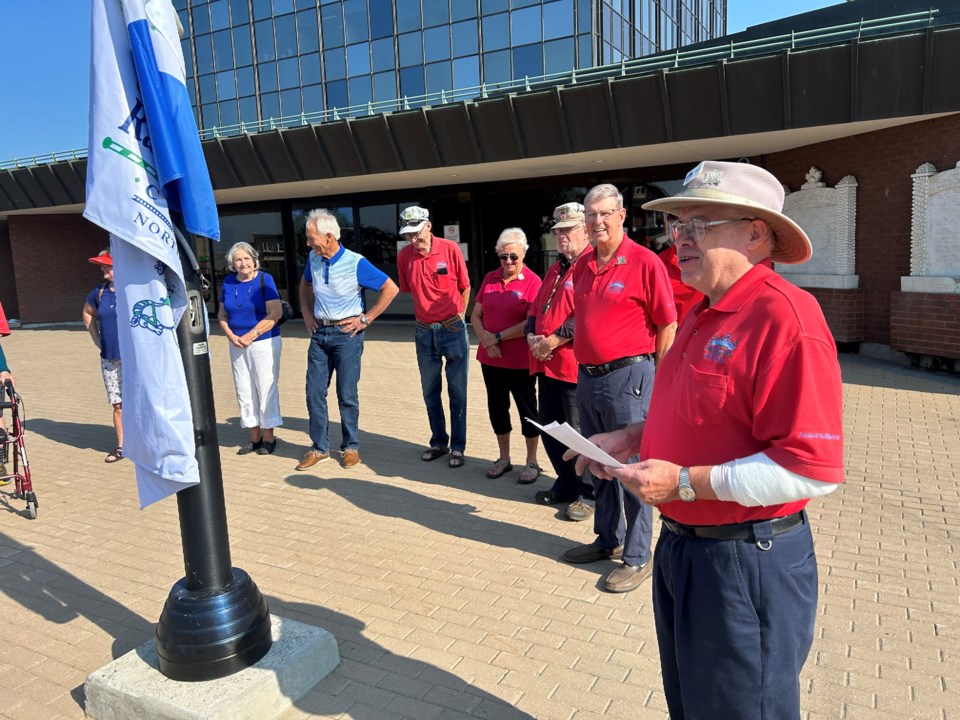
(13, 449)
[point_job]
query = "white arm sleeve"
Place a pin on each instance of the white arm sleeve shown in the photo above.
(758, 480)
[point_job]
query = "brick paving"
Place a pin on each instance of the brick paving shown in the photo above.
(441, 586)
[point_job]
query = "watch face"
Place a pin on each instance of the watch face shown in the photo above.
(687, 494)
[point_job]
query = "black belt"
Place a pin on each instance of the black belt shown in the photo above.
(440, 325)
(330, 323)
(735, 531)
(601, 370)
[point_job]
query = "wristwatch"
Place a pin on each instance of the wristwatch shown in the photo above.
(687, 493)
(497, 336)
(364, 320)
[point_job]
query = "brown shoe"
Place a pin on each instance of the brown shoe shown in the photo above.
(312, 458)
(627, 577)
(350, 457)
(582, 554)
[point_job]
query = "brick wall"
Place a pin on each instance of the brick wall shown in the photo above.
(52, 273)
(843, 310)
(882, 163)
(8, 285)
(926, 324)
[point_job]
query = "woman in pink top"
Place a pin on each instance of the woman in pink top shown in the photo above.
(499, 318)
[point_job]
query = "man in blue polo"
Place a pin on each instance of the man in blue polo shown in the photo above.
(332, 285)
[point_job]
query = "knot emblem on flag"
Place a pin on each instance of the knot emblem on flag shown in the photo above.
(145, 315)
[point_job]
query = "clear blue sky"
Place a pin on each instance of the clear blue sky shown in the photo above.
(45, 54)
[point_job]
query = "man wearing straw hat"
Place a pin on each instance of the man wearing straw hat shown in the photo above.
(744, 427)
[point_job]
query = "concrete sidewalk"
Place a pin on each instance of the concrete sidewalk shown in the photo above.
(441, 586)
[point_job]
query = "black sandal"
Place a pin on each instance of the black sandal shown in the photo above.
(456, 459)
(433, 453)
(114, 456)
(251, 447)
(268, 447)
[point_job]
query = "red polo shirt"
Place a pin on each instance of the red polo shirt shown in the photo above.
(757, 372)
(620, 307)
(563, 365)
(684, 296)
(506, 305)
(436, 281)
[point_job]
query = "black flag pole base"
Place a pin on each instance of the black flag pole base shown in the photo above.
(212, 633)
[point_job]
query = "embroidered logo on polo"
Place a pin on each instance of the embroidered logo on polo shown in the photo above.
(517, 295)
(145, 315)
(720, 348)
(568, 284)
(616, 287)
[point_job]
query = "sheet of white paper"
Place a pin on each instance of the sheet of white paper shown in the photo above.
(575, 441)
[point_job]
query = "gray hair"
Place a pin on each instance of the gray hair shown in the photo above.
(512, 236)
(323, 222)
(600, 192)
(243, 247)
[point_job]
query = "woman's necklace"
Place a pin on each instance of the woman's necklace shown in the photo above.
(236, 295)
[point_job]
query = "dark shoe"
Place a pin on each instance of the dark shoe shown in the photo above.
(456, 459)
(583, 554)
(114, 456)
(498, 468)
(433, 453)
(627, 577)
(529, 474)
(578, 511)
(548, 497)
(267, 447)
(313, 457)
(350, 457)
(250, 447)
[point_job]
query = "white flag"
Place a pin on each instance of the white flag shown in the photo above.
(144, 158)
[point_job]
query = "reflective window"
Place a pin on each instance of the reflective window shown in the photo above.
(463, 9)
(528, 61)
(585, 17)
(313, 98)
(310, 69)
(525, 25)
(411, 81)
(223, 50)
(281, 7)
(263, 31)
(301, 4)
(411, 52)
(584, 51)
(435, 12)
(208, 88)
(494, 6)
(261, 9)
(436, 44)
(558, 56)
(187, 58)
(219, 15)
(245, 84)
(408, 15)
(335, 64)
(209, 116)
(289, 73)
(360, 90)
(270, 105)
(228, 114)
(286, 36)
(381, 19)
(267, 73)
(331, 26)
(201, 20)
(557, 19)
(226, 85)
(385, 86)
(307, 37)
(496, 67)
(290, 103)
(336, 94)
(248, 110)
(496, 32)
(382, 54)
(523, 3)
(242, 49)
(358, 59)
(355, 20)
(204, 54)
(465, 38)
(239, 14)
(466, 72)
(439, 77)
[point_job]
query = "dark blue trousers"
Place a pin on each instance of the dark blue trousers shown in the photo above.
(734, 623)
(558, 403)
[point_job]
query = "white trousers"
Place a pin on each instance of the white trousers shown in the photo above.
(256, 370)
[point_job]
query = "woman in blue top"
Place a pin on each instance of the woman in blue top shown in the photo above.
(249, 311)
(100, 317)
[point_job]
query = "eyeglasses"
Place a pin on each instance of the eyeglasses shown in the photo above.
(512, 257)
(695, 230)
(594, 216)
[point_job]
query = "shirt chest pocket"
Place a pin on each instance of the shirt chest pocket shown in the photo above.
(703, 397)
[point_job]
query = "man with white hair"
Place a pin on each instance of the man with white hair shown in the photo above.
(745, 426)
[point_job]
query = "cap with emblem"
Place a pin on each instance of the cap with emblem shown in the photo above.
(568, 215)
(412, 219)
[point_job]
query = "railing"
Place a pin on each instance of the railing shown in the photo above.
(668, 60)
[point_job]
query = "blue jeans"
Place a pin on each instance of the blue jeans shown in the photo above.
(433, 347)
(332, 350)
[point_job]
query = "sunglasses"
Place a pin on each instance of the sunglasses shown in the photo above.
(410, 223)
(512, 257)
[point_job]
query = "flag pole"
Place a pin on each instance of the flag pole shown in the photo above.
(215, 621)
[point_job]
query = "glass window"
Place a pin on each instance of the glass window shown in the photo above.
(238, 12)
(335, 64)
(242, 49)
(528, 61)
(558, 56)
(378, 236)
(360, 90)
(289, 73)
(331, 24)
(302, 4)
(209, 116)
(411, 81)
(585, 17)
(228, 114)
(436, 44)
(248, 110)
(286, 36)
(310, 69)
(201, 20)
(358, 59)
(557, 19)
(313, 98)
(523, 3)
(185, 22)
(223, 50)
(290, 103)
(336, 94)
(408, 15)
(261, 9)
(187, 58)
(525, 25)
(281, 7)
(267, 72)
(411, 52)
(219, 15)
(439, 77)
(496, 32)
(264, 34)
(465, 38)
(466, 72)
(584, 51)
(494, 6)
(435, 12)
(381, 18)
(270, 105)
(226, 85)
(463, 9)
(355, 20)
(385, 86)
(382, 54)
(208, 88)
(245, 84)
(307, 37)
(204, 54)
(496, 67)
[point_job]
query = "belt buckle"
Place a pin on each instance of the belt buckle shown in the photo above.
(436, 326)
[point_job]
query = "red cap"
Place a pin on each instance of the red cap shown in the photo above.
(104, 259)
